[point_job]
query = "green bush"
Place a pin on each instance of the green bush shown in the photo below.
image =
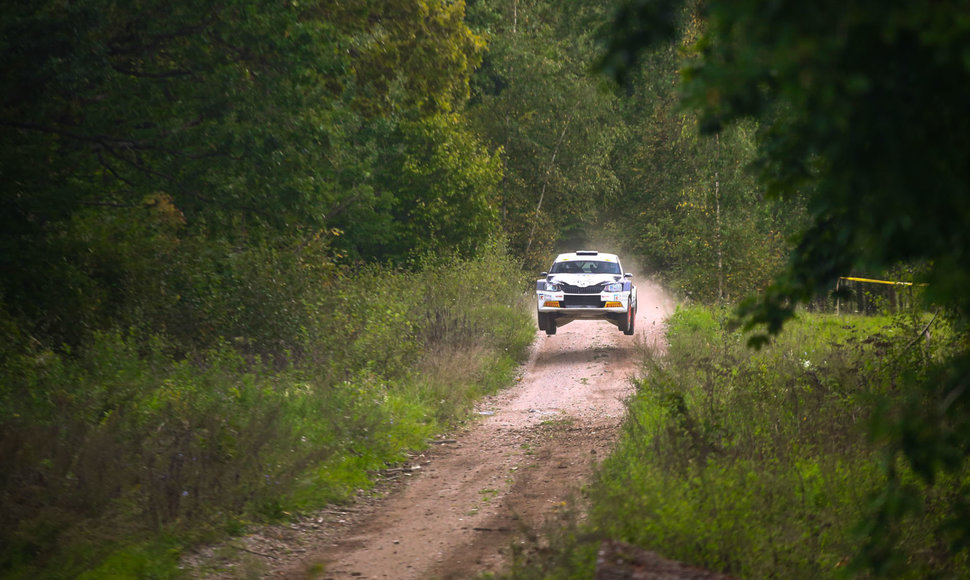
(305, 379)
(760, 463)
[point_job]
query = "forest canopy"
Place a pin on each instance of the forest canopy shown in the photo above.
(861, 109)
(126, 127)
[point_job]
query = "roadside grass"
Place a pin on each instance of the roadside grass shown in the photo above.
(120, 454)
(760, 463)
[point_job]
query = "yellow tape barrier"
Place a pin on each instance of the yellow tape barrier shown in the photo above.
(876, 281)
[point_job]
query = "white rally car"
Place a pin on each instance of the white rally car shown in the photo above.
(586, 285)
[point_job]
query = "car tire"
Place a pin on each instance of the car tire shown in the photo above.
(543, 320)
(630, 321)
(550, 327)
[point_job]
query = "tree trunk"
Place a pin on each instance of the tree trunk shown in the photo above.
(717, 219)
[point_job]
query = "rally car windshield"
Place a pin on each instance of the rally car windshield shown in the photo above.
(585, 267)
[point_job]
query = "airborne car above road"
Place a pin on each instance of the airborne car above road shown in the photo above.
(586, 285)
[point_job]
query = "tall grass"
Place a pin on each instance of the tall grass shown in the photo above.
(760, 463)
(118, 453)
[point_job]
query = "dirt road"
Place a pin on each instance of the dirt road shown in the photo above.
(454, 511)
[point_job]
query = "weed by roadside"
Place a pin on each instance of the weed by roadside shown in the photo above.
(759, 463)
(119, 453)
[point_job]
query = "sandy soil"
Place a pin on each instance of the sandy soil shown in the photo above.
(457, 510)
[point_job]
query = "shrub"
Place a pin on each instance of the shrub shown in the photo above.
(122, 449)
(759, 463)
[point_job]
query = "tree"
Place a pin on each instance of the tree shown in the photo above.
(688, 203)
(434, 185)
(245, 122)
(534, 98)
(862, 109)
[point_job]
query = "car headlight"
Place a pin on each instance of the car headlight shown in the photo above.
(614, 287)
(553, 286)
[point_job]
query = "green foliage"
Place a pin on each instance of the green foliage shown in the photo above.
(699, 219)
(533, 97)
(151, 561)
(190, 333)
(412, 55)
(434, 187)
(861, 111)
(758, 463)
(638, 24)
(133, 136)
(108, 444)
(689, 205)
(162, 97)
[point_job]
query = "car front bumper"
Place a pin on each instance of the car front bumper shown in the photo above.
(583, 305)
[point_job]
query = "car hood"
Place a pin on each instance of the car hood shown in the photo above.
(584, 280)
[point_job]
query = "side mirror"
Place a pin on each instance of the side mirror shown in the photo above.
(544, 274)
(628, 275)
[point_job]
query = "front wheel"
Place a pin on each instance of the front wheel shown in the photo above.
(543, 320)
(631, 318)
(551, 326)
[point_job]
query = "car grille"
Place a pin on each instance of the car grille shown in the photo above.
(594, 289)
(582, 300)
